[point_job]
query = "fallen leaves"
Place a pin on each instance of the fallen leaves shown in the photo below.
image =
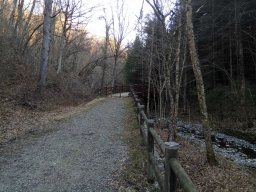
(227, 176)
(16, 120)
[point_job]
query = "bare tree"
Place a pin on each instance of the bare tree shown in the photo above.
(173, 64)
(178, 65)
(105, 47)
(11, 16)
(28, 20)
(119, 31)
(45, 44)
(70, 11)
(19, 23)
(161, 70)
(199, 85)
(150, 70)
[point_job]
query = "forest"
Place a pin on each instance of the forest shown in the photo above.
(50, 60)
(45, 45)
(194, 59)
(198, 61)
(71, 66)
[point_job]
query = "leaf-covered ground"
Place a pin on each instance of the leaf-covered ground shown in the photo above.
(17, 120)
(227, 176)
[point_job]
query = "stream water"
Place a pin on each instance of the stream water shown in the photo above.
(238, 150)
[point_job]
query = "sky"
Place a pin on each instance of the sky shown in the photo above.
(132, 8)
(96, 26)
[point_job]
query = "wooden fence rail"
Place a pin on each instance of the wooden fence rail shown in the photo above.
(109, 91)
(106, 91)
(172, 168)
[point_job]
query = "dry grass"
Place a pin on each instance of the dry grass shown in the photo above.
(225, 177)
(134, 176)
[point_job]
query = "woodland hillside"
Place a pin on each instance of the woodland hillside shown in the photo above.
(161, 59)
(193, 63)
(195, 59)
(75, 60)
(49, 59)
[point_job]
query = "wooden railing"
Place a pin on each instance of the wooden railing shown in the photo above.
(172, 168)
(116, 89)
(106, 91)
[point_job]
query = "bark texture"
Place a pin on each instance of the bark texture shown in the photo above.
(45, 44)
(200, 85)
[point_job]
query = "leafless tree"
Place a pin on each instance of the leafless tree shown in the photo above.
(71, 12)
(119, 30)
(105, 47)
(45, 44)
(199, 84)
(170, 44)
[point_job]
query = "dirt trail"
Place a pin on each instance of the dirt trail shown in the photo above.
(81, 154)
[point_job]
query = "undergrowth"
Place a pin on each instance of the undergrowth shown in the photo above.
(227, 176)
(134, 177)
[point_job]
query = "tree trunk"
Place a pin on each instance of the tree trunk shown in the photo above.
(240, 63)
(150, 70)
(178, 76)
(18, 24)
(63, 39)
(105, 54)
(25, 27)
(11, 16)
(62, 48)
(213, 44)
(230, 56)
(104, 67)
(114, 70)
(53, 52)
(45, 44)
(2, 7)
(160, 92)
(185, 92)
(200, 85)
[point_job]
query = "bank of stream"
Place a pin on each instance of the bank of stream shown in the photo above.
(238, 150)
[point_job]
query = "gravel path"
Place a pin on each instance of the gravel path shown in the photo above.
(80, 155)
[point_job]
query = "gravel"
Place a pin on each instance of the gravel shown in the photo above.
(82, 154)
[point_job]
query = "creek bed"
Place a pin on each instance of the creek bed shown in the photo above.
(238, 150)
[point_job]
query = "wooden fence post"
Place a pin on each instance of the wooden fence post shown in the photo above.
(141, 122)
(171, 149)
(150, 147)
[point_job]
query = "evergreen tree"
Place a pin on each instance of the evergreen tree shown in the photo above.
(134, 63)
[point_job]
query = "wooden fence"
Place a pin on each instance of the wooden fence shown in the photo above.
(116, 89)
(172, 168)
(139, 89)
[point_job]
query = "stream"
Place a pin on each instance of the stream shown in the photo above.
(238, 150)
